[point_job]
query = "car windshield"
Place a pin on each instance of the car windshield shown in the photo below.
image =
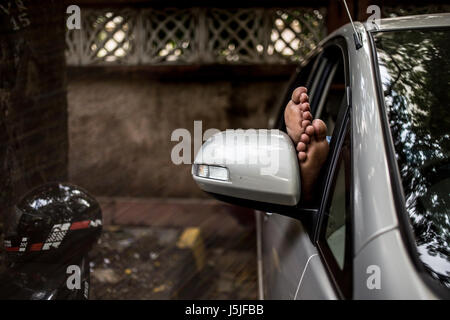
(415, 73)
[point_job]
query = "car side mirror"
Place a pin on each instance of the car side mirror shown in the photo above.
(253, 168)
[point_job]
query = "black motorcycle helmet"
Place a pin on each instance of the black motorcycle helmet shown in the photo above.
(51, 229)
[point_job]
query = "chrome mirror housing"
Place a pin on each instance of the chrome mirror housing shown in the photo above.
(259, 166)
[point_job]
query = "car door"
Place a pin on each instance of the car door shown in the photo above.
(334, 237)
(293, 267)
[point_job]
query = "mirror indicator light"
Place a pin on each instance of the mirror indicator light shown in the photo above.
(212, 172)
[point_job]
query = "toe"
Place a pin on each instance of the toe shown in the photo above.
(305, 138)
(297, 93)
(320, 129)
(305, 106)
(309, 130)
(303, 98)
(301, 147)
(302, 156)
(307, 116)
(306, 123)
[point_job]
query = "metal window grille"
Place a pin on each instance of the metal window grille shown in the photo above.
(195, 35)
(168, 36)
(105, 37)
(235, 35)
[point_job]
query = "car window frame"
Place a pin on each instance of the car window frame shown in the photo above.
(310, 215)
(342, 279)
(313, 223)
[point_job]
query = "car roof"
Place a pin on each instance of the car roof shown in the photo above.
(389, 24)
(410, 22)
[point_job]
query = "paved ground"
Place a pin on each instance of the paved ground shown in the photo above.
(178, 249)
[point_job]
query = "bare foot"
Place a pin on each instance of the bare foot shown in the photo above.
(297, 115)
(312, 154)
(309, 137)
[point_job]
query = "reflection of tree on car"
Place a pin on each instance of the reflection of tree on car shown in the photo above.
(415, 73)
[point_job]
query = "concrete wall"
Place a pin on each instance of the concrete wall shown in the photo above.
(120, 126)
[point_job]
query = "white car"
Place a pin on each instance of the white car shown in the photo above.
(379, 226)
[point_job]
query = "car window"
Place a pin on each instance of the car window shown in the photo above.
(324, 76)
(415, 75)
(302, 77)
(333, 95)
(335, 228)
(322, 64)
(330, 107)
(335, 240)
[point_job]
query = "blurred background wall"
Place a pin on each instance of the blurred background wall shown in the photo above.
(120, 127)
(141, 69)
